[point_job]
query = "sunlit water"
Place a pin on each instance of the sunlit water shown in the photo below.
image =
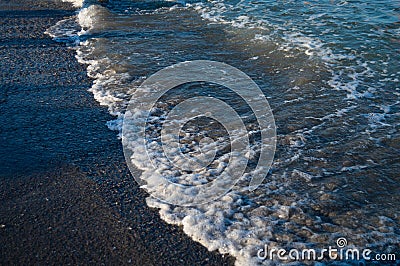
(330, 71)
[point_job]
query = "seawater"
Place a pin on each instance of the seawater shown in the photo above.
(330, 71)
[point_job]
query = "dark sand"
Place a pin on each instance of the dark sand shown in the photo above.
(66, 194)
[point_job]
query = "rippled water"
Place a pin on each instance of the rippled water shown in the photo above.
(330, 71)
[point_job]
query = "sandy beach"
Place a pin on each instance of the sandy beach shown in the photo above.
(67, 196)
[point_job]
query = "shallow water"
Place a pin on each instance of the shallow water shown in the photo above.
(329, 70)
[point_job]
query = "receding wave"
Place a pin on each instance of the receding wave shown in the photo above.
(330, 72)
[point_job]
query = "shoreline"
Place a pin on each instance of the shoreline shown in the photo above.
(67, 194)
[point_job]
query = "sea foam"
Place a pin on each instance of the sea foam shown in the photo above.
(313, 195)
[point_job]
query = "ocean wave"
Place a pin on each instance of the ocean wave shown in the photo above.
(331, 102)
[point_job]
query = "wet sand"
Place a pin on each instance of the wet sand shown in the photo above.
(66, 194)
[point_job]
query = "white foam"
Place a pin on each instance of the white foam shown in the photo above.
(65, 30)
(240, 222)
(88, 17)
(346, 79)
(76, 3)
